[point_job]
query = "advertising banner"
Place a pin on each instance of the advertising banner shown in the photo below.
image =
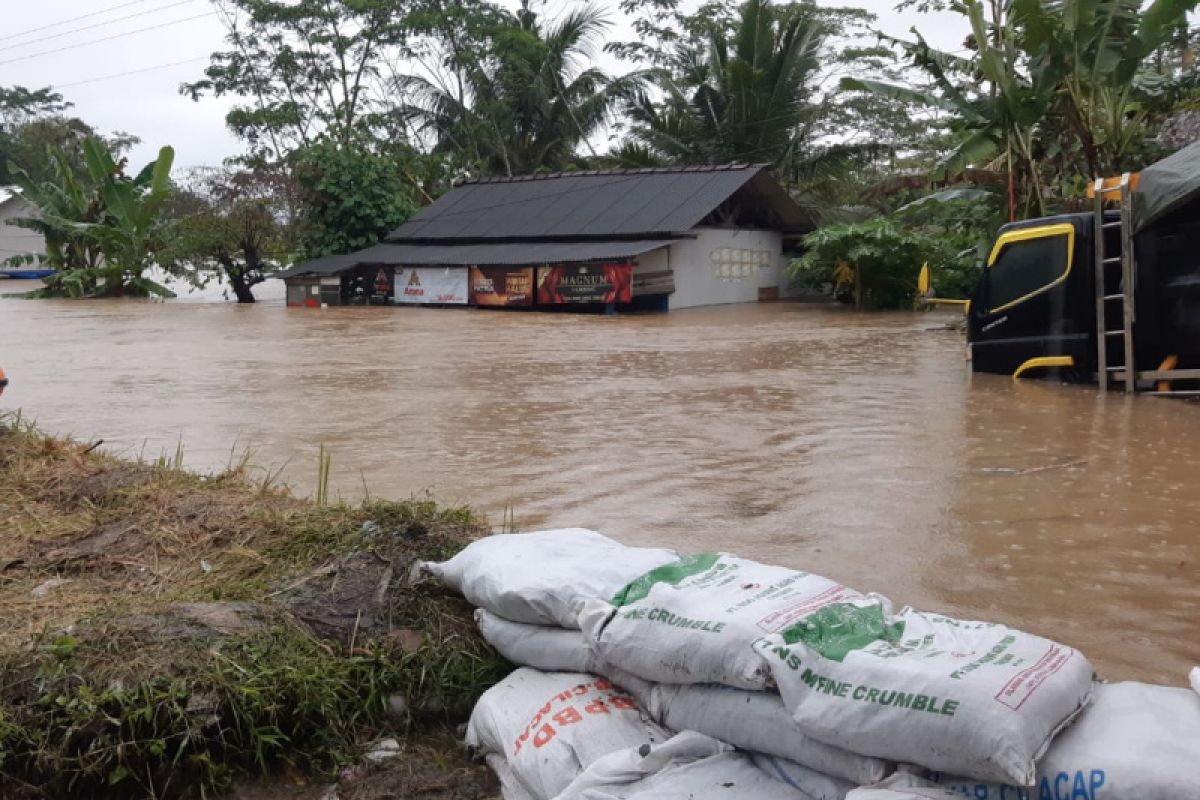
(440, 285)
(585, 283)
(502, 286)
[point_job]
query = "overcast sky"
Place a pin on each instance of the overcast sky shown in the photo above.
(167, 42)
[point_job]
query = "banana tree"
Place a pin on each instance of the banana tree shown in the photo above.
(997, 106)
(1052, 89)
(101, 227)
(129, 234)
(1096, 52)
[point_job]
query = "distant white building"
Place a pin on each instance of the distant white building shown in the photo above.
(16, 241)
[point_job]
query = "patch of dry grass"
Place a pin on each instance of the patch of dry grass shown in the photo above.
(162, 631)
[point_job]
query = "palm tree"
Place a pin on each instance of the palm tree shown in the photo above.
(746, 97)
(524, 103)
(749, 95)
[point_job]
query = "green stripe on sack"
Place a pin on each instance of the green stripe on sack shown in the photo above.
(836, 630)
(668, 573)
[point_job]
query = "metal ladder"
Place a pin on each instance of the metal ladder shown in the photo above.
(1124, 294)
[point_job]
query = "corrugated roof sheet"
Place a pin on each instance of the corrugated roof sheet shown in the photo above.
(500, 253)
(619, 203)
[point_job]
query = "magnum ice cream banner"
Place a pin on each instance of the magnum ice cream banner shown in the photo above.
(585, 283)
(502, 286)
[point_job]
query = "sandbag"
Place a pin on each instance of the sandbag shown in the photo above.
(695, 620)
(543, 647)
(510, 787)
(1134, 741)
(690, 766)
(904, 786)
(810, 782)
(554, 650)
(969, 698)
(542, 578)
(549, 726)
(758, 722)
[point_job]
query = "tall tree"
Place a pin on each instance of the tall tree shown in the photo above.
(229, 222)
(303, 70)
(753, 86)
(755, 92)
(520, 100)
(35, 121)
(351, 196)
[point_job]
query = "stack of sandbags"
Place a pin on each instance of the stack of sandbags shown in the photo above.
(971, 698)
(753, 721)
(829, 686)
(574, 736)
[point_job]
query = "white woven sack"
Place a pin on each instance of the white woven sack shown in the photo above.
(1134, 741)
(968, 698)
(809, 782)
(904, 786)
(696, 620)
(542, 647)
(543, 578)
(549, 726)
(758, 722)
(690, 766)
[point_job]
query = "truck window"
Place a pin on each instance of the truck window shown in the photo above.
(1027, 262)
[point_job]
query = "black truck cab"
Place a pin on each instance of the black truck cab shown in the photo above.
(1035, 297)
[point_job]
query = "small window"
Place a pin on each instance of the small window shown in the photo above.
(1024, 265)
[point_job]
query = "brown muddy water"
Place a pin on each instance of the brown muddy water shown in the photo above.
(859, 447)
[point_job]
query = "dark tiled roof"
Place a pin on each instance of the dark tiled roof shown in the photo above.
(597, 204)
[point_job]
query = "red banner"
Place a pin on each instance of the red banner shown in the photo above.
(585, 283)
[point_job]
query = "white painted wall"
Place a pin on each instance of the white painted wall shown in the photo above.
(14, 240)
(700, 278)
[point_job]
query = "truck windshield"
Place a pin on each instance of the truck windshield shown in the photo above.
(1024, 267)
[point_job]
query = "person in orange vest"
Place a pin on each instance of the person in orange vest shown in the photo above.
(3, 381)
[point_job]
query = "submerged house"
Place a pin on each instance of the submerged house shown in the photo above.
(643, 238)
(15, 242)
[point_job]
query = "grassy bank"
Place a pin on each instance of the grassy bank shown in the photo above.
(163, 633)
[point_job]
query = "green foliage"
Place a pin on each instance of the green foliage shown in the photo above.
(752, 97)
(1053, 94)
(515, 99)
(352, 196)
(232, 223)
(874, 264)
(198, 710)
(749, 83)
(34, 121)
(102, 228)
(305, 69)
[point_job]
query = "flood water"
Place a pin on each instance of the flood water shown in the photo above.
(858, 447)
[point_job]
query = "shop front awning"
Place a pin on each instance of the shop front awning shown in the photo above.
(498, 254)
